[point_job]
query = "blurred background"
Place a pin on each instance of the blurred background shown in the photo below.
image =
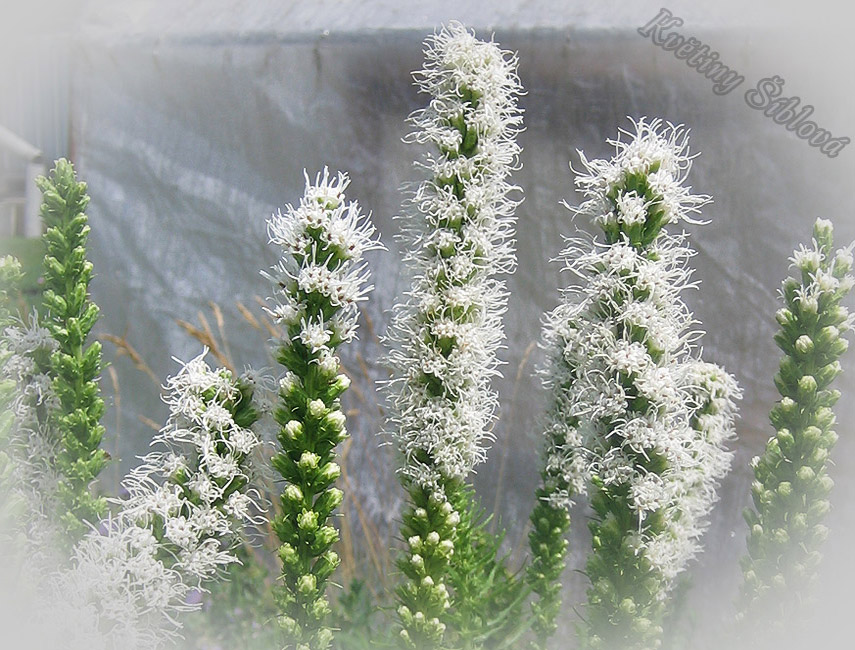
(191, 122)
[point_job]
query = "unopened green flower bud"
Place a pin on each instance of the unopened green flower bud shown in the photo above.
(324, 636)
(812, 435)
(342, 383)
(308, 460)
(328, 365)
(306, 584)
(781, 536)
(289, 383)
(807, 386)
(819, 509)
(330, 472)
(325, 536)
(319, 611)
(804, 344)
(785, 439)
(287, 554)
(307, 520)
(627, 606)
(809, 307)
(784, 317)
(293, 429)
(292, 493)
(289, 626)
(823, 233)
(317, 408)
(335, 420)
(805, 474)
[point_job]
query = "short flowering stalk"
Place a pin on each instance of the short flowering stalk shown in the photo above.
(69, 315)
(130, 582)
(444, 337)
(634, 418)
(791, 486)
(320, 279)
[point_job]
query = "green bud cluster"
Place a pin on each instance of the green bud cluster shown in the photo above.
(791, 483)
(69, 314)
(311, 425)
(548, 544)
(487, 596)
(428, 529)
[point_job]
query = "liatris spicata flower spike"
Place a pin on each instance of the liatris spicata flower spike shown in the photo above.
(187, 501)
(444, 337)
(69, 315)
(320, 279)
(791, 486)
(633, 416)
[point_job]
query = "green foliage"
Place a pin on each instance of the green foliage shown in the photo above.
(488, 597)
(356, 618)
(791, 486)
(69, 315)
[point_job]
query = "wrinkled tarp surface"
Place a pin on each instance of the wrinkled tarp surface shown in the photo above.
(190, 138)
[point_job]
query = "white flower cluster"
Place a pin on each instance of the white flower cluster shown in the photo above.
(653, 163)
(27, 348)
(187, 501)
(630, 406)
(323, 241)
(821, 275)
(444, 337)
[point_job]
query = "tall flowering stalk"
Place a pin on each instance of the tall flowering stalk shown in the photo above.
(791, 486)
(634, 420)
(319, 280)
(74, 366)
(444, 336)
(130, 581)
